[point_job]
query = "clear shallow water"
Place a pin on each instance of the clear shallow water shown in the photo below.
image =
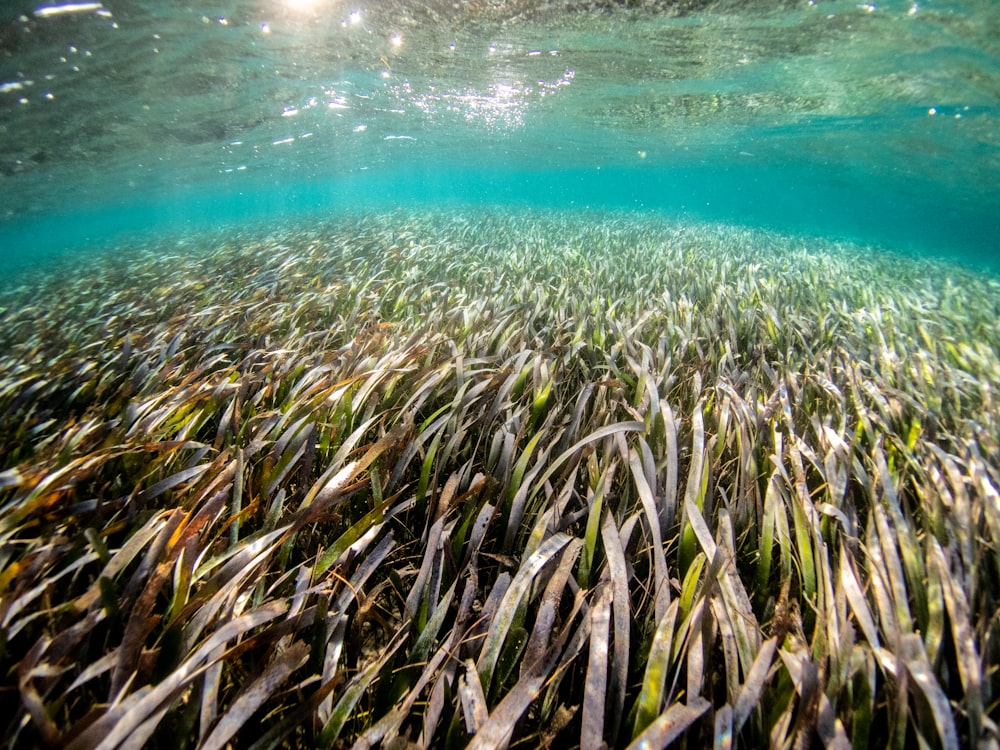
(870, 122)
(217, 293)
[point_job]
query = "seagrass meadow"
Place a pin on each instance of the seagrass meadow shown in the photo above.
(500, 479)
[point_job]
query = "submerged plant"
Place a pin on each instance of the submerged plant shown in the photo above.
(500, 480)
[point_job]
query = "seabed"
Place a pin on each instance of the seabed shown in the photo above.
(500, 479)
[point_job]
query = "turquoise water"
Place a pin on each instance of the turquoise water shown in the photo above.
(875, 123)
(313, 303)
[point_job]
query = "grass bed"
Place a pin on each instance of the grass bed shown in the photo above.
(500, 480)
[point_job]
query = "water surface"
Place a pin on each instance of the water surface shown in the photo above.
(870, 122)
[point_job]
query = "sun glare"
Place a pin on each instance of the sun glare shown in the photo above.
(302, 5)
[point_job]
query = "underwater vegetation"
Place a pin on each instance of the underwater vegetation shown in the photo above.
(500, 479)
